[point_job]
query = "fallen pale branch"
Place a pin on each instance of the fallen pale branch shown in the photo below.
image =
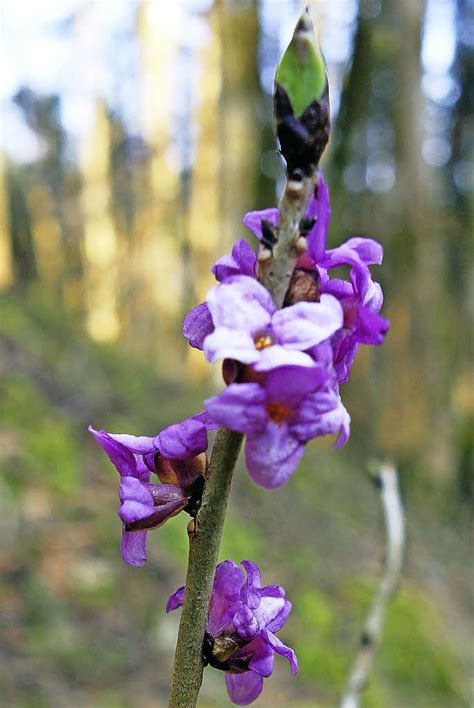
(387, 481)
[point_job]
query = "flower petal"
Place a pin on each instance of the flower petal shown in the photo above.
(273, 455)
(245, 688)
(279, 620)
(344, 427)
(139, 444)
(245, 623)
(368, 251)
(242, 262)
(263, 657)
(242, 304)
(239, 407)
(253, 219)
(306, 324)
(276, 357)
(182, 441)
(205, 418)
(290, 384)
(118, 453)
(136, 500)
(133, 547)
(357, 252)
(320, 209)
(250, 592)
(197, 325)
(268, 610)
(322, 413)
(225, 598)
(227, 343)
(373, 297)
(371, 327)
(339, 288)
(310, 411)
(135, 510)
(281, 649)
(175, 600)
(345, 349)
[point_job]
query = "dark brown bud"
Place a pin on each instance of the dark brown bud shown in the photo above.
(269, 238)
(306, 224)
(218, 651)
(232, 371)
(304, 139)
(303, 286)
(175, 471)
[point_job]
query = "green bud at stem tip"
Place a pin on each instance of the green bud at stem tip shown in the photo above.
(302, 71)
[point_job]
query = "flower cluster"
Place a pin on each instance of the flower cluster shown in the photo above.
(283, 369)
(284, 366)
(177, 456)
(242, 621)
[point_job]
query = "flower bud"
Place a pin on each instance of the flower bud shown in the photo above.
(301, 101)
(303, 287)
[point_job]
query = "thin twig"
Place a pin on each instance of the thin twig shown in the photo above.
(205, 535)
(387, 481)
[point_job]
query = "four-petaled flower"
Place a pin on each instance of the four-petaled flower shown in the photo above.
(279, 415)
(177, 456)
(242, 620)
(250, 329)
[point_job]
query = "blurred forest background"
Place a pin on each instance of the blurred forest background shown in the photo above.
(135, 135)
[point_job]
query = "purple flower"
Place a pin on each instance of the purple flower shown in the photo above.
(242, 261)
(177, 457)
(242, 621)
(250, 329)
(291, 406)
(198, 323)
(361, 298)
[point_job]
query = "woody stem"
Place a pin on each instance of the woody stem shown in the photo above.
(206, 532)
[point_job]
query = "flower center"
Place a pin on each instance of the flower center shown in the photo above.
(278, 412)
(263, 342)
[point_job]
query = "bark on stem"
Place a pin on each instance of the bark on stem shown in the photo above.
(395, 532)
(275, 268)
(204, 542)
(206, 532)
